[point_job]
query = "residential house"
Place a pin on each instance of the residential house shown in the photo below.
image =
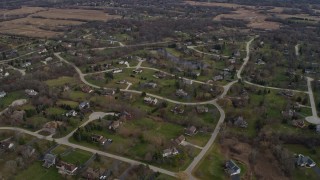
(93, 174)
(115, 125)
(122, 81)
(288, 114)
(187, 81)
(177, 109)
(260, 62)
(137, 71)
(287, 93)
(180, 139)
(150, 85)
(232, 168)
(84, 105)
(2, 94)
(117, 71)
(191, 131)
(159, 75)
(49, 160)
(202, 109)
(86, 89)
(170, 152)
(27, 151)
(181, 93)
(126, 95)
(26, 64)
(48, 59)
(125, 115)
(108, 92)
(31, 92)
(299, 123)
(6, 145)
(305, 161)
(150, 100)
(66, 168)
(71, 113)
(240, 122)
(96, 138)
(218, 78)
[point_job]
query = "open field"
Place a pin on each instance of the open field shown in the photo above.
(40, 22)
(22, 11)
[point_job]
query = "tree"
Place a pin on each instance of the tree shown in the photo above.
(143, 94)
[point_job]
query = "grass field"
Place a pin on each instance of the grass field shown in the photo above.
(77, 157)
(37, 172)
(60, 81)
(9, 98)
(210, 167)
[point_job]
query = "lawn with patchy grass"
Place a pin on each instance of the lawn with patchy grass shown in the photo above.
(211, 166)
(37, 172)
(9, 98)
(76, 157)
(60, 81)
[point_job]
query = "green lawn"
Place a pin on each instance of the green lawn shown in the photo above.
(60, 81)
(37, 172)
(211, 166)
(72, 104)
(10, 97)
(304, 173)
(77, 157)
(59, 150)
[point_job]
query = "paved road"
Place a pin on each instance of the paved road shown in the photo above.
(92, 117)
(133, 45)
(8, 60)
(245, 60)
(22, 71)
(314, 119)
(275, 88)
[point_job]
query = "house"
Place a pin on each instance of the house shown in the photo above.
(26, 64)
(71, 113)
(117, 71)
(218, 78)
(137, 71)
(287, 93)
(126, 95)
(96, 138)
(27, 151)
(181, 93)
(180, 139)
(2, 94)
(122, 81)
(115, 125)
(48, 59)
(260, 62)
(66, 168)
(232, 168)
(93, 174)
(177, 110)
(170, 152)
(305, 161)
(191, 131)
(31, 92)
(159, 75)
(187, 81)
(240, 122)
(150, 100)
(108, 92)
(288, 114)
(202, 109)
(298, 123)
(150, 85)
(86, 89)
(6, 145)
(84, 105)
(49, 160)
(125, 115)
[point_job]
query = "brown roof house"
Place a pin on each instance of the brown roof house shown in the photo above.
(93, 174)
(115, 125)
(66, 168)
(180, 139)
(191, 131)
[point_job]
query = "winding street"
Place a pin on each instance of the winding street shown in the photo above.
(314, 119)
(97, 115)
